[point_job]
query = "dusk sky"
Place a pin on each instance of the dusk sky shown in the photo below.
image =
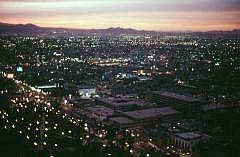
(160, 15)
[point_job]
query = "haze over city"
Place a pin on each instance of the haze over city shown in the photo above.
(158, 15)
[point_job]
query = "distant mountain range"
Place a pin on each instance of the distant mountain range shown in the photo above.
(5, 27)
(31, 28)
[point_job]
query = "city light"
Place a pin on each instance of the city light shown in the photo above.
(118, 91)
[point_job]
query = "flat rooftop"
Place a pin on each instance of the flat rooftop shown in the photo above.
(101, 110)
(121, 120)
(124, 101)
(176, 96)
(188, 135)
(150, 113)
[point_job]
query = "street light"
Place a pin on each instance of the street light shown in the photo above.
(35, 143)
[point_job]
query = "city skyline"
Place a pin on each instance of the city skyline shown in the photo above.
(148, 15)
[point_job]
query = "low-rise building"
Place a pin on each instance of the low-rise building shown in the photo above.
(143, 117)
(123, 103)
(185, 141)
(99, 113)
(181, 102)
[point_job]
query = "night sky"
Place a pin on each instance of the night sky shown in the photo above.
(165, 15)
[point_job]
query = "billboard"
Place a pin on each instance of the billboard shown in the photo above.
(19, 69)
(10, 76)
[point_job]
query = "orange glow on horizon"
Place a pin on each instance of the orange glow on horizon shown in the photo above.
(168, 16)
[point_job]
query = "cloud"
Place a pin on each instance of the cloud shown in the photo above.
(151, 14)
(125, 5)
